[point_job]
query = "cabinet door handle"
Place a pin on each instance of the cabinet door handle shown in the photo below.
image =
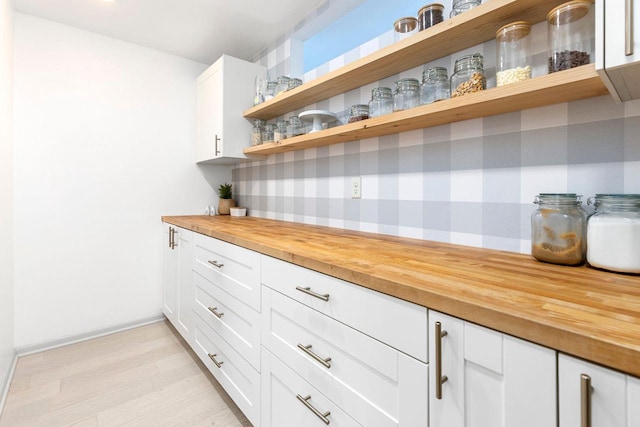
(308, 291)
(217, 140)
(307, 349)
(585, 400)
(213, 358)
(305, 402)
(440, 379)
(216, 264)
(628, 28)
(171, 237)
(214, 310)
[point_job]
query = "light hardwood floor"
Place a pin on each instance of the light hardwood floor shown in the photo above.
(146, 376)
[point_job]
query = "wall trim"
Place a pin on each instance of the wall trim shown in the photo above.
(73, 339)
(6, 382)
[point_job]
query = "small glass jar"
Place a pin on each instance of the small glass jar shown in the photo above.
(558, 229)
(468, 75)
(256, 132)
(381, 102)
(295, 127)
(406, 95)
(267, 132)
(513, 62)
(430, 15)
(270, 90)
(294, 83)
(435, 85)
(283, 85)
(358, 112)
(613, 233)
(571, 35)
(405, 27)
(261, 85)
(460, 6)
(280, 131)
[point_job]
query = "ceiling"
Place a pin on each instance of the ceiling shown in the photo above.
(200, 30)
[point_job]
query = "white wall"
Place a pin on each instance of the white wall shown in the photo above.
(104, 145)
(6, 191)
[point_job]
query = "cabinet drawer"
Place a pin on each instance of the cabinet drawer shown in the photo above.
(234, 269)
(238, 377)
(281, 406)
(375, 384)
(236, 323)
(398, 323)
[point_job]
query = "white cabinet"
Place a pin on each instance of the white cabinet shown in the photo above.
(618, 47)
(492, 379)
(224, 91)
(177, 289)
(606, 397)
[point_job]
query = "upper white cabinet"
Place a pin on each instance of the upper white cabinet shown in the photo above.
(618, 47)
(224, 90)
(480, 377)
(593, 396)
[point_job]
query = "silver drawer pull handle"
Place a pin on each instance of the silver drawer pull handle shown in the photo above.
(308, 291)
(307, 349)
(323, 417)
(628, 28)
(214, 310)
(215, 264)
(213, 358)
(439, 379)
(585, 400)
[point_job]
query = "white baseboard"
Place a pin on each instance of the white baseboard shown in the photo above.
(6, 382)
(49, 345)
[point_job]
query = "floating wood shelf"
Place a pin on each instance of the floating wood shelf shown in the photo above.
(452, 35)
(564, 86)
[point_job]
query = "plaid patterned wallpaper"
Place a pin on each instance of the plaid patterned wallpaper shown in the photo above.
(470, 183)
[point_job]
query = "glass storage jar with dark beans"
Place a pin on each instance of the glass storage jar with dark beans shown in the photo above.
(358, 112)
(460, 6)
(571, 35)
(381, 102)
(256, 132)
(513, 62)
(468, 75)
(267, 132)
(283, 85)
(406, 95)
(558, 229)
(270, 90)
(435, 85)
(430, 15)
(405, 27)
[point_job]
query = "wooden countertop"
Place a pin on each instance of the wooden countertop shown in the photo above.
(580, 311)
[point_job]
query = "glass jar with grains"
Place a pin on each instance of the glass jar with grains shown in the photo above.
(558, 229)
(571, 35)
(381, 102)
(468, 75)
(613, 233)
(256, 132)
(435, 85)
(513, 62)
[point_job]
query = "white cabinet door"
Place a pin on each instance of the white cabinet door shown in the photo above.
(491, 379)
(170, 274)
(224, 91)
(177, 294)
(608, 393)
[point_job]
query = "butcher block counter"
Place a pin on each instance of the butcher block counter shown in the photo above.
(580, 311)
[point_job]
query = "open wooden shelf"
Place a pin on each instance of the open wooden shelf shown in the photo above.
(564, 86)
(452, 35)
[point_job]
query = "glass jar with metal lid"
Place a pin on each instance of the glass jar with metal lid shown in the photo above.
(613, 233)
(406, 95)
(280, 131)
(358, 112)
(282, 86)
(267, 132)
(381, 102)
(513, 62)
(460, 6)
(430, 15)
(558, 229)
(295, 127)
(256, 132)
(468, 75)
(294, 83)
(435, 85)
(571, 35)
(270, 90)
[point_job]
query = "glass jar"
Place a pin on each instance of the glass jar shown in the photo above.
(270, 90)
(261, 85)
(295, 127)
(358, 112)
(435, 85)
(280, 131)
(381, 102)
(571, 35)
(406, 95)
(613, 233)
(558, 229)
(405, 27)
(430, 15)
(267, 132)
(256, 132)
(282, 86)
(513, 62)
(468, 75)
(294, 83)
(460, 6)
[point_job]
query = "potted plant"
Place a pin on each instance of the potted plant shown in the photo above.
(226, 200)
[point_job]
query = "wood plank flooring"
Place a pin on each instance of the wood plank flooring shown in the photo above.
(146, 376)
